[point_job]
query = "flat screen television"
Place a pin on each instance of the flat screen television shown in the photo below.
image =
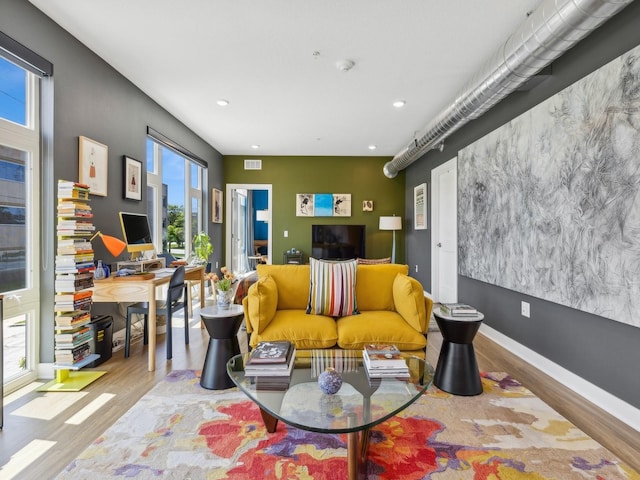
(136, 232)
(337, 242)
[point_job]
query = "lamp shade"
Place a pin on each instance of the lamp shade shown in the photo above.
(390, 223)
(114, 245)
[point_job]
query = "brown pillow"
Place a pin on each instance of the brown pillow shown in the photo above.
(373, 261)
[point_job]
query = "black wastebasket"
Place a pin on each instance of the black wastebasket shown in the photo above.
(102, 342)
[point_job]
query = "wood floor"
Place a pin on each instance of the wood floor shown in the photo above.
(43, 432)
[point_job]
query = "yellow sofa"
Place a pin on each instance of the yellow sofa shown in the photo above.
(392, 306)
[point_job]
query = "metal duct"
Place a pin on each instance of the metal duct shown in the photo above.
(552, 29)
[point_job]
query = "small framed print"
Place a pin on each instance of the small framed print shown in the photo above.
(93, 165)
(305, 205)
(367, 205)
(216, 205)
(420, 207)
(341, 204)
(132, 174)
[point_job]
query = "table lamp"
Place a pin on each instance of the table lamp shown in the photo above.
(391, 223)
(114, 245)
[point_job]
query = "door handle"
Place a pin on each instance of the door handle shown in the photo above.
(439, 245)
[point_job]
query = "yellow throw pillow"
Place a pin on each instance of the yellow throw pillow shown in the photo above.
(408, 298)
(263, 302)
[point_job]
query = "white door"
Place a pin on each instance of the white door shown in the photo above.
(444, 246)
(236, 211)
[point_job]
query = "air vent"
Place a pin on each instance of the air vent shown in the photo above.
(252, 164)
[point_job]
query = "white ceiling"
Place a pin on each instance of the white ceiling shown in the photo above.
(259, 55)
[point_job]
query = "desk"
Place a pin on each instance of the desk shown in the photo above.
(133, 290)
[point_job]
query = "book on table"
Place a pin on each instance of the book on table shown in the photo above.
(396, 372)
(279, 360)
(458, 310)
(270, 353)
(272, 383)
(384, 361)
(383, 356)
(271, 369)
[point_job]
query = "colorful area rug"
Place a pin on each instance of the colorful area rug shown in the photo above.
(181, 431)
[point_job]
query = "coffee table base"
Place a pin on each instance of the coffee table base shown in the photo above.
(357, 446)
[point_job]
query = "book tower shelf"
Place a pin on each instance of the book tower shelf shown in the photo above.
(73, 283)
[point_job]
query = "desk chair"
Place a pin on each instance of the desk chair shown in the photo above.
(176, 299)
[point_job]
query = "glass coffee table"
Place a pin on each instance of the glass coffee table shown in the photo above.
(360, 404)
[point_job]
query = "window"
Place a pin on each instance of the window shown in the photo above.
(175, 200)
(19, 221)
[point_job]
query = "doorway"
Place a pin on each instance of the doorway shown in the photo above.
(444, 238)
(240, 234)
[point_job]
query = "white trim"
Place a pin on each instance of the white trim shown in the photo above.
(616, 407)
(230, 187)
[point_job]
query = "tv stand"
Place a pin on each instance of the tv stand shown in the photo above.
(142, 265)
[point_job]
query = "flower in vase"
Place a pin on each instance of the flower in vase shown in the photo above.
(224, 282)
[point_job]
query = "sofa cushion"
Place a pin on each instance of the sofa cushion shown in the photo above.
(306, 331)
(374, 289)
(292, 282)
(378, 327)
(332, 289)
(263, 302)
(408, 298)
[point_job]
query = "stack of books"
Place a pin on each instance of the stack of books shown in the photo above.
(382, 361)
(458, 310)
(271, 363)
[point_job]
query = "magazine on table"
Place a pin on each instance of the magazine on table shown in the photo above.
(270, 353)
(458, 309)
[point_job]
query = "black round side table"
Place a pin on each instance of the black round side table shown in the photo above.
(223, 326)
(457, 371)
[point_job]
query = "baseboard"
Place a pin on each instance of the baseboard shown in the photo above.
(616, 407)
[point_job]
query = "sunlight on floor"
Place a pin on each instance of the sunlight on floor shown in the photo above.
(25, 457)
(48, 405)
(12, 397)
(90, 409)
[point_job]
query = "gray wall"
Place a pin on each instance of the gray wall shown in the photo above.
(93, 100)
(602, 351)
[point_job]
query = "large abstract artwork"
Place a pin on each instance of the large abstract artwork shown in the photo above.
(549, 204)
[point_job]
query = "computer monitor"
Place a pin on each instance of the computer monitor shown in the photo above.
(136, 232)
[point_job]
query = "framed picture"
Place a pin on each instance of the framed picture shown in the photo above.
(305, 205)
(420, 207)
(216, 205)
(367, 205)
(341, 204)
(93, 165)
(323, 205)
(132, 173)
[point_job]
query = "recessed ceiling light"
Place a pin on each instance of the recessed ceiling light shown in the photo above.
(399, 103)
(255, 146)
(372, 147)
(222, 102)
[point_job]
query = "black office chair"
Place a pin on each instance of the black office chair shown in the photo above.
(177, 298)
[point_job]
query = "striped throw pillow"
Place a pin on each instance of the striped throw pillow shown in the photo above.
(333, 288)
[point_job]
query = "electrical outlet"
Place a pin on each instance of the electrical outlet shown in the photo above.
(217, 265)
(525, 309)
(286, 233)
(416, 268)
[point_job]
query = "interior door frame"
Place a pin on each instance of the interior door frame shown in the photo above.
(229, 212)
(435, 218)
